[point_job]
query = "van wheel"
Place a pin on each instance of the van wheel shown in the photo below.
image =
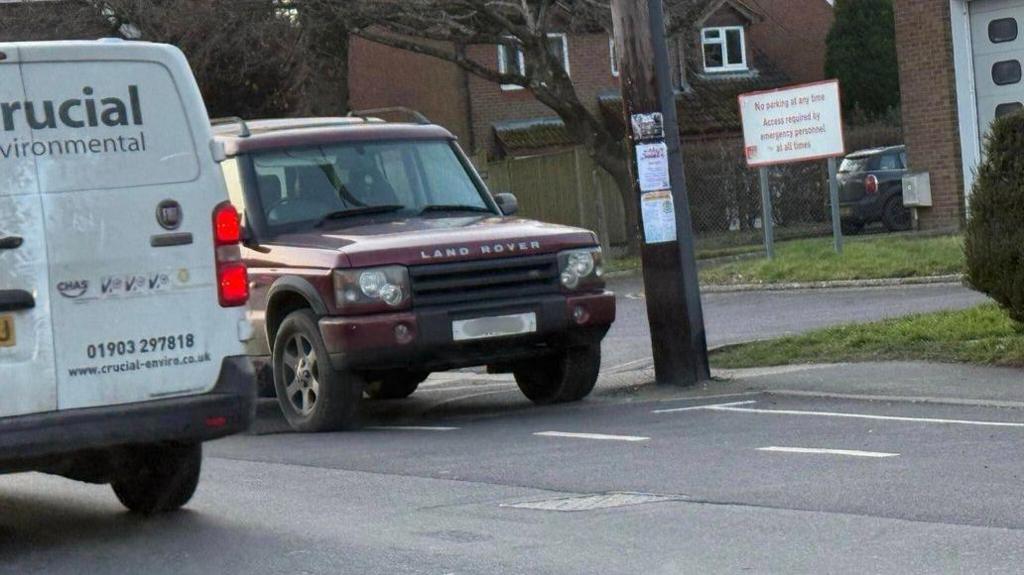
(896, 217)
(313, 395)
(395, 385)
(567, 376)
(159, 478)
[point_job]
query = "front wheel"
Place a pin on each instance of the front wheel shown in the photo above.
(159, 478)
(313, 395)
(567, 376)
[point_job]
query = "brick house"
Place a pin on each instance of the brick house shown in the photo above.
(960, 67)
(727, 47)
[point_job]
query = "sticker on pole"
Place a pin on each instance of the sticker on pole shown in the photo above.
(659, 215)
(652, 167)
(794, 124)
(648, 126)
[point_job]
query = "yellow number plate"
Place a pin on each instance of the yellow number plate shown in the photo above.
(7, 338)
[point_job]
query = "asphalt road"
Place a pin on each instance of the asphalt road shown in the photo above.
(476, 484)
(744, 316)
(912, 489)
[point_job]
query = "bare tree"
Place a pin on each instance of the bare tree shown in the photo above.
(251, 58)
(445, 28)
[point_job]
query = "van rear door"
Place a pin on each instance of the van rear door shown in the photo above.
(129, 185)
(27, 380)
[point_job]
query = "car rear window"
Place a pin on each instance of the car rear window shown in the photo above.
(854, 165)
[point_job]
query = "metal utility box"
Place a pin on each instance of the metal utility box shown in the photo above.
(917, 190)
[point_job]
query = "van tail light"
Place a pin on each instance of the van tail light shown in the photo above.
(232, 276)
(871, 184)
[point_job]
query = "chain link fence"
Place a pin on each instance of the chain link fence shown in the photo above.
(725, 197)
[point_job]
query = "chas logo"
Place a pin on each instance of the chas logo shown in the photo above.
(73, 289)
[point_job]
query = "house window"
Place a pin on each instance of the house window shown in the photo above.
(511, 60)
(1002, 30)
(1008, 108)
(1006, 72)
(614, 56)
(725, 49)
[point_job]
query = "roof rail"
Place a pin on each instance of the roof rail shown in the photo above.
(416, 116)
(243, 128)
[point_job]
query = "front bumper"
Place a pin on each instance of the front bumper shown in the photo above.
(228, 409)
(369, 343)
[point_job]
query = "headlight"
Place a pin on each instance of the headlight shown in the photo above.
(581, 269)
(372, 290)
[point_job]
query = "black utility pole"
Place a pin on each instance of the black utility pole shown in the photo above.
(669, 263)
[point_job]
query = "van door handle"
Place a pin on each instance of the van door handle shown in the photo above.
(11, 243)
(16, 300)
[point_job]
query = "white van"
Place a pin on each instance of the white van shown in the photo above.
(122, 294)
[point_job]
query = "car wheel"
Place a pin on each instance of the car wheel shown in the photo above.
(896, 217)
(395, 385)
(567, 376)
(313, 395)
(852, 228)
(159, 478)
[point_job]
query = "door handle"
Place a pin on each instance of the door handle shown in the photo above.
(16, 300)
(11, 243)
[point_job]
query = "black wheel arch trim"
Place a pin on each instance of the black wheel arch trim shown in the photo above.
(301, 287)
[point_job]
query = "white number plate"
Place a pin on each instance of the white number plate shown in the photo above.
(497, 326)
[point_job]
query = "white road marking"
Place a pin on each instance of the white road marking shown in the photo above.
(480, 387)
(410, 428)
(599, 436)
(850, 452)
(697, 407)
(866, 416)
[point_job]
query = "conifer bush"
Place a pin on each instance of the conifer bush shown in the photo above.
(994, 242)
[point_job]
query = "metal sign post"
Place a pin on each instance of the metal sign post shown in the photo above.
(767, 220)
(833, 194)
(669, 262)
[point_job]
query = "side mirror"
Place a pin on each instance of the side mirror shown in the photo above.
(507, 203)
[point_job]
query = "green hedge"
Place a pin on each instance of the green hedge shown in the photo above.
(994, 241)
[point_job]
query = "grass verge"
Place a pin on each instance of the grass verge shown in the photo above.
(981, 335)
(814, 260)
(863, 258)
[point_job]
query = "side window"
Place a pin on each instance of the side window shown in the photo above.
(889, 162)
(903, 160)
(233, 179)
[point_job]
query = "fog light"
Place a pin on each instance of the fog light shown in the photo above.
(403, 334)
(580, 315)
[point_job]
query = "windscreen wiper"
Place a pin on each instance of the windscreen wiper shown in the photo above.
(364, 211)
(455, 208)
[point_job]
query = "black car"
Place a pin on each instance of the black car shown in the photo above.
(871, 189)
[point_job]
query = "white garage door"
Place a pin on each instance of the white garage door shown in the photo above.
(997, 35)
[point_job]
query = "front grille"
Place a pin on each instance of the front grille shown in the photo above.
(459, 282)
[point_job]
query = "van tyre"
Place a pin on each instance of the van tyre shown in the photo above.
(313, 395)
(395, 385)
(159, 478)
(568, 376)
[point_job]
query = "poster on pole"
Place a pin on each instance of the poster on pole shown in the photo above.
(652, 166)
(794, 124)
(659, 217)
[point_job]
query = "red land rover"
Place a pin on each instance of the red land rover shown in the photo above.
(377, 256)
